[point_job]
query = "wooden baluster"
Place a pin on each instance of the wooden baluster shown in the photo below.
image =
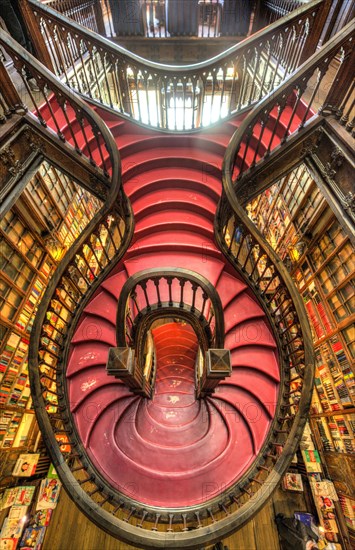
(111, 235)
(156, 284)
(157, 518)
(242, 233)
(320, 75)
(194, 287)
(205, 298)
(182, 284)
(260, 255)
(170, 527)
(170, 282)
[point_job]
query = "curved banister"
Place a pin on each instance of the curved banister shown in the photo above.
(257, 131)
(255, 259)
(63, 108)
(164, 292)
(203, 93)
(165, 67)
(201, 300)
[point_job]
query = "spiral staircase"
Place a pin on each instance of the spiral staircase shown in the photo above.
(171, 349)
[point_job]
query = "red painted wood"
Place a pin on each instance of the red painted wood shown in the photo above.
(174, 450)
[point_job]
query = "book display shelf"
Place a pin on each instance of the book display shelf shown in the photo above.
(34, 234)
(299, 224)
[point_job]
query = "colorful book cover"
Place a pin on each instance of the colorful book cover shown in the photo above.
(18, 513)
(42, 517)
(12, 529)
(293, 482)
(33, 538)
(52, 472)
(8, 544)
(26, 465)
(48, 494)
(324, 488)
(325, 503)
(8, 498)
(311, 460)
(64, 443)
(24, 495)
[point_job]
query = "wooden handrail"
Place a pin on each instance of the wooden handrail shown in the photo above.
(155, 293)
(177, 300)
(203, 93)
(289, 94)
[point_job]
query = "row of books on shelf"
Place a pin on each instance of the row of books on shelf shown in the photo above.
(29, 507)
(337, 433)
(15, 428)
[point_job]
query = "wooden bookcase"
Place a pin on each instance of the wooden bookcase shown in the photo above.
(298, 223)
(35, 234)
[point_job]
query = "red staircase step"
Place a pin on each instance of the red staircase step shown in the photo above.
(200, 177)
(175, 219)
(104, 305)
(93, 327)
(173, 444)
(242, 308)
(257, 358)
(157, 199)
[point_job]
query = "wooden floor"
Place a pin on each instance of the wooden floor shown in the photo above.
(71, 530)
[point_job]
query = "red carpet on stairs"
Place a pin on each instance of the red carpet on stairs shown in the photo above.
(174, 450)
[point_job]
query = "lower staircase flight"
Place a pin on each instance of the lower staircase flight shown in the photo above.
(160, 472)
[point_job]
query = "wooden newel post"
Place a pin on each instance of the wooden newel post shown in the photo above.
(217, 367)
(99, 18)
(9, 92)
(341, 85)
(122, 364)
(34, 32)
(316, 31)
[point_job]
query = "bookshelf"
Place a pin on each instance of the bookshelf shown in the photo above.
(298, 223)
(35, 234)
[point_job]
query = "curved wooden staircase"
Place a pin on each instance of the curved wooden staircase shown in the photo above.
(172, 467)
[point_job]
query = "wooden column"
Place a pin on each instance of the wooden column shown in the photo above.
(122, 364)
(35, 35)
(217, 367)
(313, 38)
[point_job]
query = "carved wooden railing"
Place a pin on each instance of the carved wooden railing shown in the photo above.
(87, 13)
(152, 294)
(161, 19)
(80, 274)
(158, 18)
(184, 97)
(271, 10)
(324, 82)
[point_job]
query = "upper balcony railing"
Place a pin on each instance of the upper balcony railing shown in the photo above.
(177, 97)
(324, 83)
(159, 18)
(271, 10)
